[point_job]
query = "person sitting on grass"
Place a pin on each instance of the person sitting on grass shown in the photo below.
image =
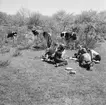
(48, 56)
(58, 56)
(81, 50)
(85, 60)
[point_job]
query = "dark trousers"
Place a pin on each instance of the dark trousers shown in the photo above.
(60, 62)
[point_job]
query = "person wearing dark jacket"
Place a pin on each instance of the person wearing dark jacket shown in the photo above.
(58, 56)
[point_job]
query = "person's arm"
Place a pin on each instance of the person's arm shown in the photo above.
(95, 61)
(63, 54)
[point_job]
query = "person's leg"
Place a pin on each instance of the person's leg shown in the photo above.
(88, 66)
(64, 62)
(61, 62)
(45, 56)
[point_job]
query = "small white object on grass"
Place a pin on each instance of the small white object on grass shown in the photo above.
(73, 58)
(68, 68)
(72, 72)
(42, 59)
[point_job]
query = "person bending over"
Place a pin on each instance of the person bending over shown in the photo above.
(85, 60)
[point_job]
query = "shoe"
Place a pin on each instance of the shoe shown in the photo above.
(56, 65)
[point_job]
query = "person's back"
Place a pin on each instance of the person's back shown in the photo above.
(50, 50)
(87, 57)
(85, 61)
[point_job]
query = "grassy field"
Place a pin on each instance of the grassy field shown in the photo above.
(26, 80)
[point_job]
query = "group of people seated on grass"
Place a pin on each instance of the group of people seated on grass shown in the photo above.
(55, 55)
(55, 52)
(85, 56)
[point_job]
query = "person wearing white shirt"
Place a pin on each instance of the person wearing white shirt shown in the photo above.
(95, 56)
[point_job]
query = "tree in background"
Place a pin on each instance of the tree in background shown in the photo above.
(90, 26)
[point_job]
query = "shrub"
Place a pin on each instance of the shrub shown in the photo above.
(16, 53)
(4, 63)
(4, 50)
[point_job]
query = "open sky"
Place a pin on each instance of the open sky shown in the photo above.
(49, 7)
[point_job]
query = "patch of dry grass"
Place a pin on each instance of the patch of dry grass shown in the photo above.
(4, 50)
(43, 84)
(19, 87)
(4, 63)
(16, 53)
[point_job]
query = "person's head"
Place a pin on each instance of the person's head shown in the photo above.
(61, 47)
(98, 58)
(88, 49)
(84, 50)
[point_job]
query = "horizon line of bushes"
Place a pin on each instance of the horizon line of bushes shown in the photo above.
(90, 26)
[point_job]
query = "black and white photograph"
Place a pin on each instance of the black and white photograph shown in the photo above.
(52, 52)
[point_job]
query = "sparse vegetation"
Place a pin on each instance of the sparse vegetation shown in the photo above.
(4, 50)
(4, 63)
(29, 81)
(16, 53)
(89, 25)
